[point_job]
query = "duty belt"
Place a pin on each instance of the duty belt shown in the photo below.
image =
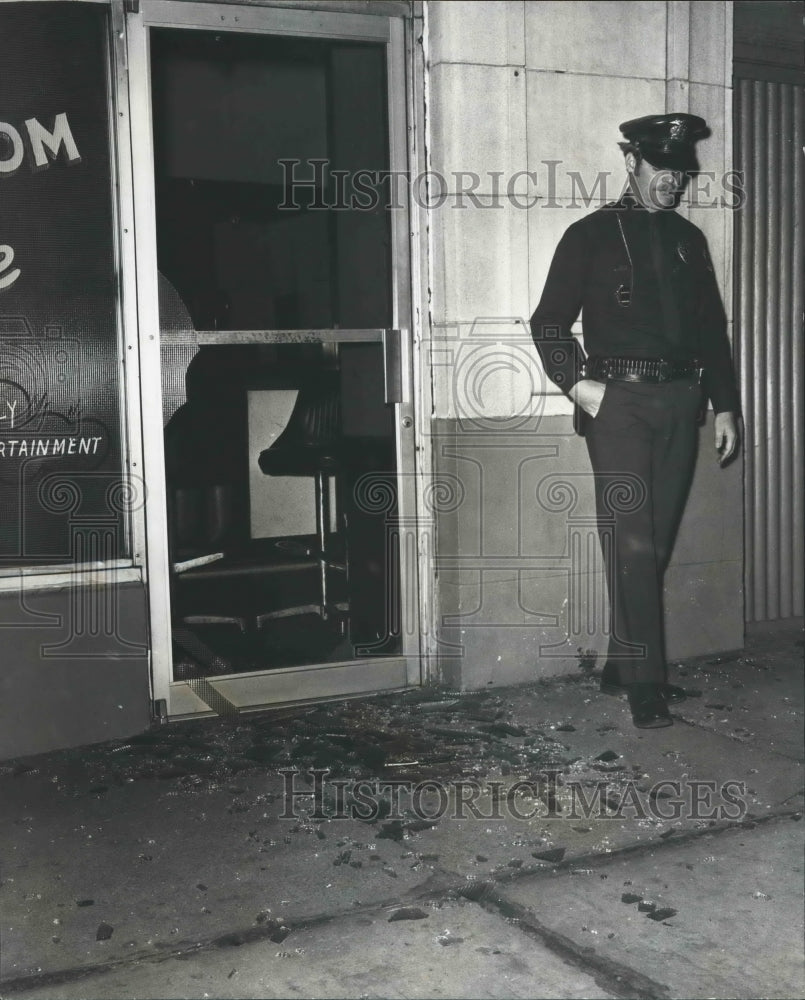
(640, 369)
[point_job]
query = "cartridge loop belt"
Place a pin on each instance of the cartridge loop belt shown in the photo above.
(621, 369)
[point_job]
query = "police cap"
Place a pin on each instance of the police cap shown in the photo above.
(666, 141)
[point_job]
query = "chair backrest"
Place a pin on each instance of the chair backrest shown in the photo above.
(206, 456)
(311, 442)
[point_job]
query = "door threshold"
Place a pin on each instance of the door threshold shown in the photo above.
(286, 686)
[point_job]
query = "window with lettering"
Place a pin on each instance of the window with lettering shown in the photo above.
(62, 492)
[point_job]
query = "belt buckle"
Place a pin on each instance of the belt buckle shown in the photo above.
(664, 371)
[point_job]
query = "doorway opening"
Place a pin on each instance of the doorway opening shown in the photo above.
(276, 309)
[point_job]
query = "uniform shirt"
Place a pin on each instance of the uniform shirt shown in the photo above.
(644, 284)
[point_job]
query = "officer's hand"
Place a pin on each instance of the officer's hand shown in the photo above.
(726, 436)
(588, 393)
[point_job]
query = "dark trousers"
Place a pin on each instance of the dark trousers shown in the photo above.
(642, 447)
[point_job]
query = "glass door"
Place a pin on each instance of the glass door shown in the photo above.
(274, 308)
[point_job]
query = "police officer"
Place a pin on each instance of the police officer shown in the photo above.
(656, 343)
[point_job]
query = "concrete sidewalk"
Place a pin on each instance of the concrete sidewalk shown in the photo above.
(536, 845)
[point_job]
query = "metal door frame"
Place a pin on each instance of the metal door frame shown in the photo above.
(291, 684)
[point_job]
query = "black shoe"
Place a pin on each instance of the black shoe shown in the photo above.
(610, 684)
(649, 708)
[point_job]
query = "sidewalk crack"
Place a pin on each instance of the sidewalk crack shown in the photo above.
(613, 977)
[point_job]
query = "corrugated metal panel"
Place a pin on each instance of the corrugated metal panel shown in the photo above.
(769, 341)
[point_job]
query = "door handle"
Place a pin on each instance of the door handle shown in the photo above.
(393, 366)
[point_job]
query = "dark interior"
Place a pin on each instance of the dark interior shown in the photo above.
(241, 248)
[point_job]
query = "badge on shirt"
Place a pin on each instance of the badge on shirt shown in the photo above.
(623, 295)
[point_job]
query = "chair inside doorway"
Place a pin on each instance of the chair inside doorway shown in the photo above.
(238, 602)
